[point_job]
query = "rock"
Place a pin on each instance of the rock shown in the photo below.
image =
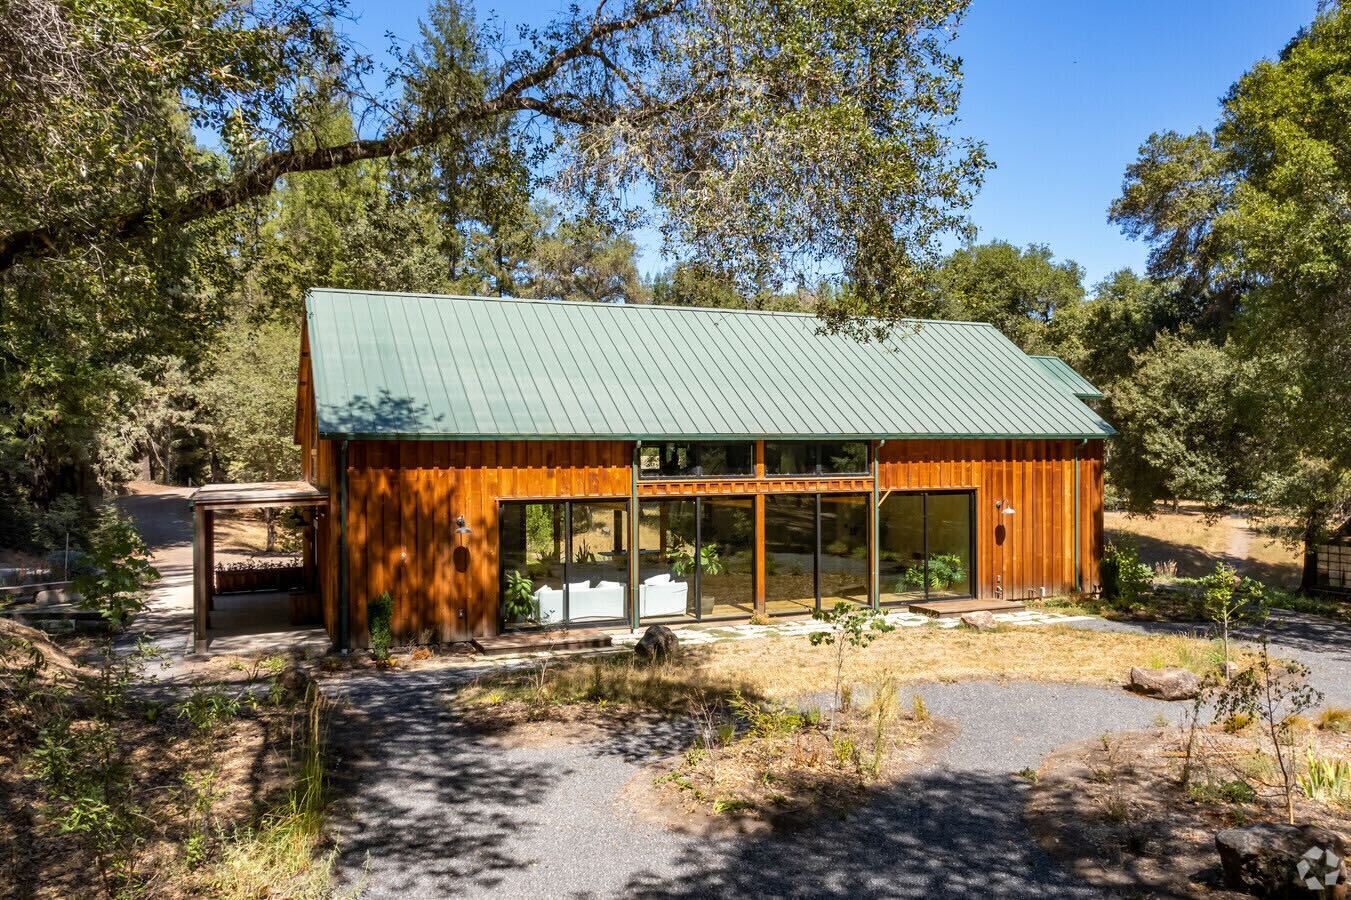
(1166, 684)
(294, 682)
(1265, 859)
(981, 621)
(1229, 670)
(657, 643)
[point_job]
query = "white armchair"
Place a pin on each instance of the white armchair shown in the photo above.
(660, 596)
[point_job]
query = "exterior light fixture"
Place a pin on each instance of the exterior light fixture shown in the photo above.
(1003, 507)
(460, 527)
(1009, 510)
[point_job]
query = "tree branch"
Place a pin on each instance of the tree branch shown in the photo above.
(261, 178)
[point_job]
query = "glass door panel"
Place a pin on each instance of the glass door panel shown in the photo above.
(901, 548)
(790, 553)
(598, 569)
(948, 523)
(844, 549)
(533, 536)
(666, 560)
(726, 557)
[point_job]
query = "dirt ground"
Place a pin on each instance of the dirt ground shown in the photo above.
(1113, 809)
(1195, 544)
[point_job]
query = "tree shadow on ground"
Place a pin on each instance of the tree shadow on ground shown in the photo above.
(428, 767)
(936, 834)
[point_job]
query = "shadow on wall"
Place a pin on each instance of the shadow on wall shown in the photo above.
(383, 414)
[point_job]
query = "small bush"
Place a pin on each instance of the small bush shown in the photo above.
(207, 708)
(1327, 779)
(919, 709)
(1334, 719)
(1234, 791)
(379, 612)
(1124, 578)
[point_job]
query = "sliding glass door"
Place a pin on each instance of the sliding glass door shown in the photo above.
(816, 551)
(696, 558)
(564, 562)
(926, 546)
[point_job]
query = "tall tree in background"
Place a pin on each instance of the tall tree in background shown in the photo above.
(582, 259)
(1251, 221)
(1021, 292)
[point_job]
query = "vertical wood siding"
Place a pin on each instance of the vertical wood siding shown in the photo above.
(1033, 548)
(404, 497)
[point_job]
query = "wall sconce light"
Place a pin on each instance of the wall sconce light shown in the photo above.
(1005, 509)
(460, 527)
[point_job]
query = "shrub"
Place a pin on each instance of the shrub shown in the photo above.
(1327, 779)
(207, 708)
(1335, 719)
(520, 598)
(1229, 600)
(379, 612)
(1124, 577)
(121, 570)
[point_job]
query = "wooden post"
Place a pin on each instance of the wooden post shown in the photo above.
(759, 580)
(201, 576)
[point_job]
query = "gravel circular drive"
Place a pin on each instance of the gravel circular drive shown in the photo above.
(428, 809)
(432, 811)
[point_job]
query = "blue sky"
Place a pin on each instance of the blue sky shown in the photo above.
(1061, 91)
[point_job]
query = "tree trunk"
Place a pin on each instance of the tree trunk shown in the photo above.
(1308, 578)
(270, 517)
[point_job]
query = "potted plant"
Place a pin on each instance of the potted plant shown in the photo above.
(520, 598)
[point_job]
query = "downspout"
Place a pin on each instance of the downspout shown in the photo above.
(1078, 568)
(875, 576)
(635, 561)
(344, 616)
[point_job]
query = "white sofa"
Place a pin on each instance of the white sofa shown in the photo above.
(660, 596)
(604, 601)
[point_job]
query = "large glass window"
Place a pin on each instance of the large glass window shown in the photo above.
(564, 562)
(790, 553)
(697, 558)
(925, 546)
(816, 546)
(726, 556)
(844, 549)
(816, 458)
(666, 533)
(701, 459)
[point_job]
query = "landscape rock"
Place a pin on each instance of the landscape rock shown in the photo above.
(981, 621)
(658, 643)
(1166, 684)
(1264, 859)
(294, 682)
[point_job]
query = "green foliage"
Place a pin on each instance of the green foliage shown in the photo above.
(765, 720)
(206, 708)
(682, 559)
(1233, 791)
(1124, 578)
(1326, 778)
(849, 627)
(1023, 293)
(520, 598)
(379, 613)
(1229, 600)
(1276, 693)
(122, 571)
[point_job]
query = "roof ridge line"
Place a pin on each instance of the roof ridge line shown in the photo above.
(630, 306)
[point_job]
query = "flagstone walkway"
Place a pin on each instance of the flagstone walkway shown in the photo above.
(692, 635)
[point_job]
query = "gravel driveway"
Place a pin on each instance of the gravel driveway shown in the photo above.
(431, 810)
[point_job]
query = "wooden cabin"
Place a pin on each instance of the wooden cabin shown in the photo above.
(502, 464)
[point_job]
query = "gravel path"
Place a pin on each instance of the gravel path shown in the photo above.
(433, 811)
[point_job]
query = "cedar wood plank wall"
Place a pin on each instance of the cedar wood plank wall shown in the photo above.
(403, 497)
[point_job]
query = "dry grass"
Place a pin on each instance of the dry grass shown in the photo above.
(1187, 538)
(787, 668)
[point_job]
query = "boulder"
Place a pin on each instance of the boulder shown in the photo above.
(657, 643)
(981, 621)
(294, 682)
(1166, 684)
(1272, 859)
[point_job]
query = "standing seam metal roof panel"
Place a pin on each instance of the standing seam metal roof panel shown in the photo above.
(425, 366)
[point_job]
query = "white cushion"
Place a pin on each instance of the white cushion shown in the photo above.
(608, 584)
(579, 585)
(664, 578)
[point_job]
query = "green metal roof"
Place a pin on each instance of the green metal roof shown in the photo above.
(1063, 374)
(423, 366)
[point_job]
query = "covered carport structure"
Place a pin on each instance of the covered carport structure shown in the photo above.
(211, 499)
